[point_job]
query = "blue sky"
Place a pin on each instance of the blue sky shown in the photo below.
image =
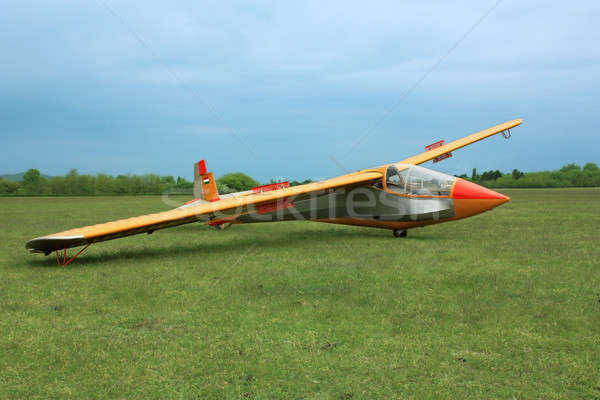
(278, 89)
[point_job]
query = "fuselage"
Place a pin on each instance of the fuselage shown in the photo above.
(407, 196)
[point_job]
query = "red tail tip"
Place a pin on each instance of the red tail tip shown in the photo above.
(202, 167)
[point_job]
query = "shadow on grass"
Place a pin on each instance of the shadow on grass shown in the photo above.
(230, 245)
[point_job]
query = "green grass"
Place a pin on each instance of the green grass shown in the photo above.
(501, 305)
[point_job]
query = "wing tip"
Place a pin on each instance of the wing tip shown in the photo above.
(46, 244)
(515, 122)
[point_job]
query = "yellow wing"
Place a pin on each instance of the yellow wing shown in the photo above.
(457, 144)
(179, 216)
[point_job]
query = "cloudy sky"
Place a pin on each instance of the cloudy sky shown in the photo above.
(282, 89)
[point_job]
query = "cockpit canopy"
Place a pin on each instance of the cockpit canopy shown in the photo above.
(418, 181)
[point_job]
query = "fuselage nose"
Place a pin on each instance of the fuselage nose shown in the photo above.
(471, 198)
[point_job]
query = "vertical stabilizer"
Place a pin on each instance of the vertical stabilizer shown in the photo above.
(205, 186)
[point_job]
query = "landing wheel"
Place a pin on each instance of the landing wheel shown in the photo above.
(399, 233)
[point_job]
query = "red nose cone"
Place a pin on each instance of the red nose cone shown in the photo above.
(464, 189)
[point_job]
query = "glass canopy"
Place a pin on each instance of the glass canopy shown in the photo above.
(415, 180)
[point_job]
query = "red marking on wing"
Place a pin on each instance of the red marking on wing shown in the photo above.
(442, 157)
(435, 145)
(270, 187)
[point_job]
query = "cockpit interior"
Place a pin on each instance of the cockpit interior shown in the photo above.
(413, 180)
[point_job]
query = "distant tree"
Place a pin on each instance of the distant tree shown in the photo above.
(32, 176)
(237, 181)
(591, 167)
(516, 174)
(474, 176)
(32, 181)
(122, 184)
(570, 167)
(56, 185)
(8, 187)
(490, 175)
(151, 183)
(105, 184)
(71, 181)
(223, 188)
(136, 184)
(167, 179)
(85, 184)
(183, 183)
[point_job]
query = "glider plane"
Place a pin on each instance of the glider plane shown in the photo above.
(396, 196)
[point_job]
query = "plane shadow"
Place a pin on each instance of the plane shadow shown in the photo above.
(227, 245)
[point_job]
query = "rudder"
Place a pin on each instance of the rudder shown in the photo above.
(205, 186)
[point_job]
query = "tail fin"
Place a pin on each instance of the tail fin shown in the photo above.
(205, 186)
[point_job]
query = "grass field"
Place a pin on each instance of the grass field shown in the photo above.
(501, 305)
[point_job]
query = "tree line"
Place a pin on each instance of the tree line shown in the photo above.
(35, 184)
(570, 175)
(73, 183)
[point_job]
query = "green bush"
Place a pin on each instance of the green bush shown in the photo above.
(237, 181)
(570, 175)
(8, 187)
